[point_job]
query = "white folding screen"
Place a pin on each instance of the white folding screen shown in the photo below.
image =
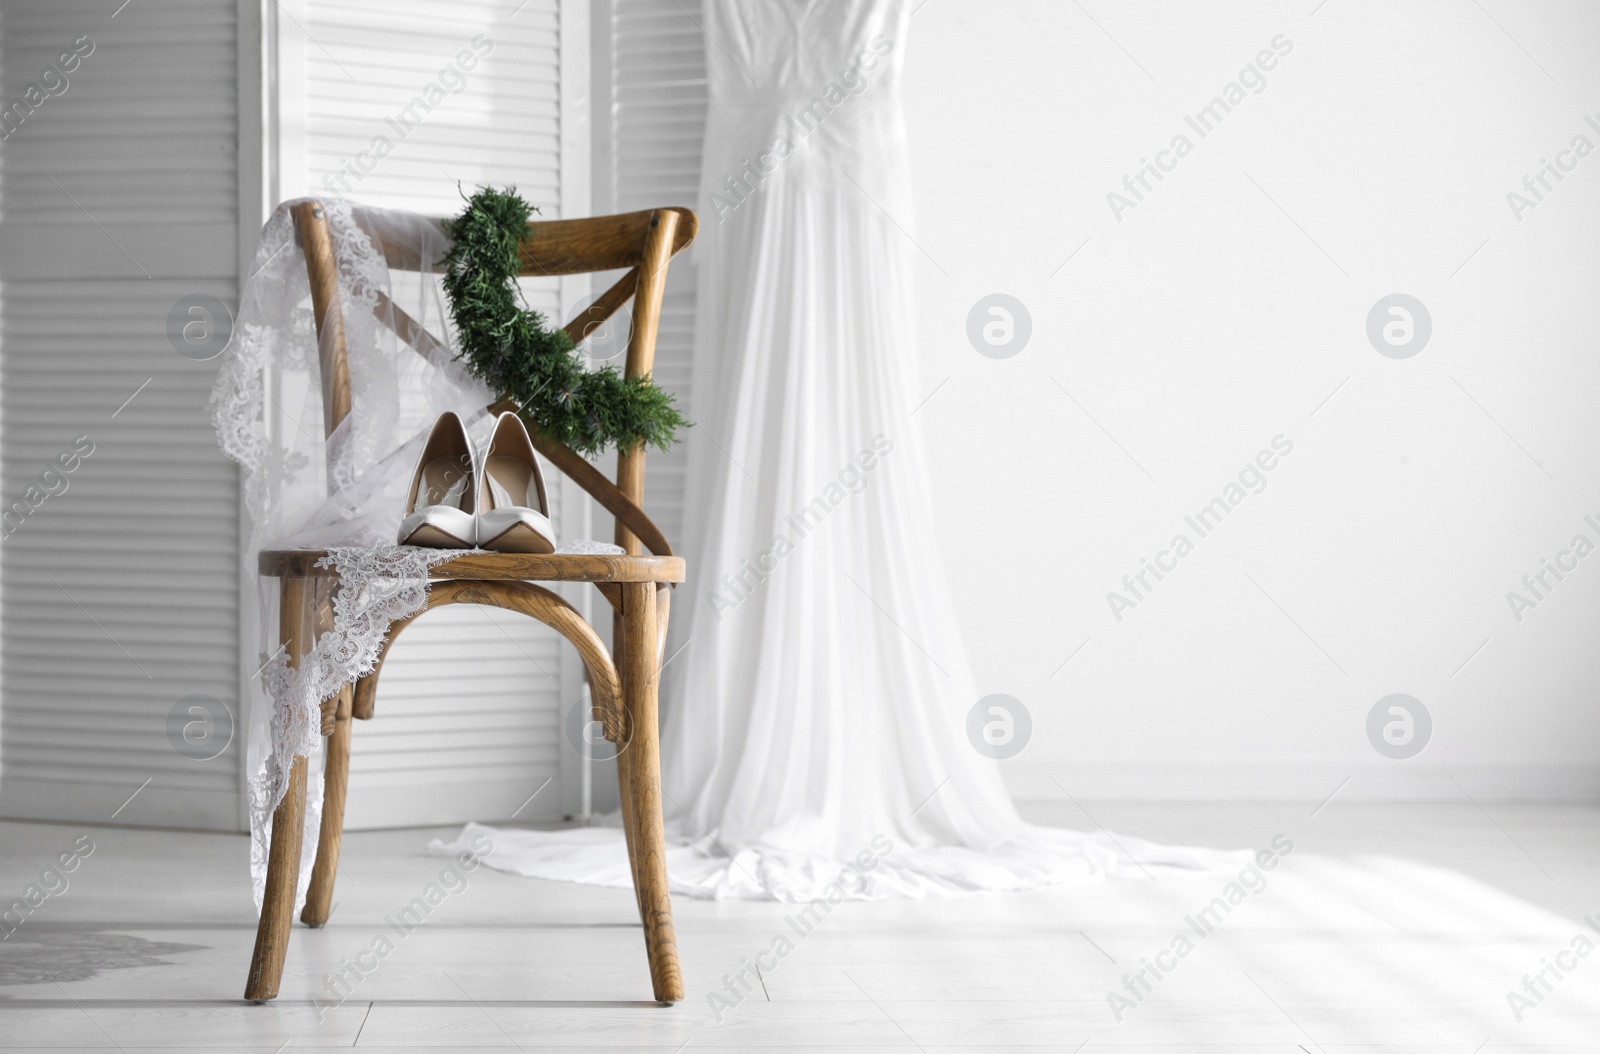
(131, 178)
(470, 707)
(120, 183)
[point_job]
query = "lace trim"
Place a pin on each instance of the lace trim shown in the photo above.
(276, 291)
(363, 271)
(376, 588)
(589, 547)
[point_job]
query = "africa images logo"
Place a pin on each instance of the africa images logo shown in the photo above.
(50, 84)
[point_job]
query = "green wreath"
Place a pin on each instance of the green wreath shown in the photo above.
(507, 346)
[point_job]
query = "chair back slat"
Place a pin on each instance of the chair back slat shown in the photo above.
(557, 247)
(603, 307)
(648, 293)
(311, 229)
(602, 243)
(412, 333)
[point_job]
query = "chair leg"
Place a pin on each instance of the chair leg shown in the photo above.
(288, 827)
(624, 784)
(643, 760)
(336, 779)
(625, 797)
(277, 907)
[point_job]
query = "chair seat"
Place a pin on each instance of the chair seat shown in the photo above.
(525, 567)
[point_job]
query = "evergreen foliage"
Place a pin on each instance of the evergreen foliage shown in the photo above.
(508, 347)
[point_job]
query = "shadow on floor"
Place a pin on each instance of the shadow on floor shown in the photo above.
(40, 958)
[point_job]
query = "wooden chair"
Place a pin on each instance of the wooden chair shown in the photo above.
(636, 585)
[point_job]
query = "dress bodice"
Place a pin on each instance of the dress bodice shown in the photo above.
(808, 87)
(794, 48)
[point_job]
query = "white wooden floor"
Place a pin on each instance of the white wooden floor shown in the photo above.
(1388, 928)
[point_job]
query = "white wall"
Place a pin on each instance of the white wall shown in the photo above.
(1222, 311)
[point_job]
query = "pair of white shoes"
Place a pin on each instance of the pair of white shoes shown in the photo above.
(458, 501)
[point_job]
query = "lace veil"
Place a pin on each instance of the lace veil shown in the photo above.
(342, 492)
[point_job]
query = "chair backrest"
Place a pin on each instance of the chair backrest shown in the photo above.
(644, 242)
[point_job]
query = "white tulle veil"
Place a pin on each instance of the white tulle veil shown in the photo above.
(342, 492)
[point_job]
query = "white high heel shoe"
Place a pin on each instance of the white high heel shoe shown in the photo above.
(513, 515)
(440, 511)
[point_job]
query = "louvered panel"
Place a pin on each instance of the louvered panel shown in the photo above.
(503, 127)
(658, 112)
(468, 706)
(120, 591)
(146, 130)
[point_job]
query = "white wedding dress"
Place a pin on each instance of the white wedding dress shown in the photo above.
(815, 705)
